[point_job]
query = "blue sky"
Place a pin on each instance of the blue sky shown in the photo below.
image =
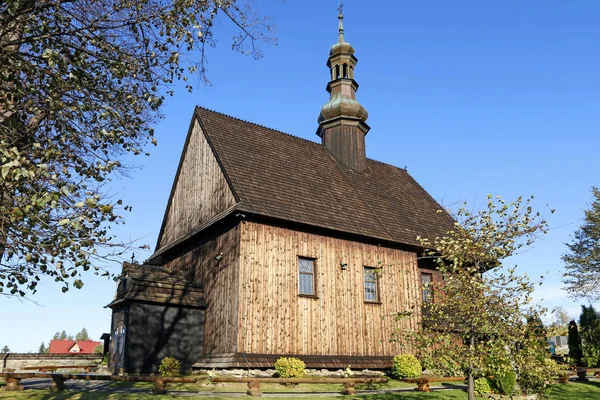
(474, 97)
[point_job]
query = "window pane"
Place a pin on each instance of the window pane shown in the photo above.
(426, 287)
(306, 284)
(370, 291)
(306, 269)
(306, 265)
(370, 278)
(425, 279)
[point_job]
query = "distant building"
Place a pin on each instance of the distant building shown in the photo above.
(559, 341)
(72, 346)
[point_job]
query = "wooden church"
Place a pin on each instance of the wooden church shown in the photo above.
(274, 245)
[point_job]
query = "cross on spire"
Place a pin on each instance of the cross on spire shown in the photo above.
(341, 26)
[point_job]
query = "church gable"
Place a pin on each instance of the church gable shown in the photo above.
(200, 191)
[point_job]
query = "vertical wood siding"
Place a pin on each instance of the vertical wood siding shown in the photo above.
(201, 190)
(273, 319)
(220, 281)
(347, 143)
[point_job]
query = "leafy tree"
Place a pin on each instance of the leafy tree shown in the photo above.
(5, 350)
(589, 324)
(82, 335)
(62, 336)
(81, 85)
(481, 303)
(560, 322)
(582, 261)
(575, 353)
(43, 349)
(99, 349)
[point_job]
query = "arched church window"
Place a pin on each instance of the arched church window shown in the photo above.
(118, 348)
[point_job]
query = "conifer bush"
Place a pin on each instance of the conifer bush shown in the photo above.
(406, 366)
(170, 366)
(507, 382)
(482, 386)
(290, 367)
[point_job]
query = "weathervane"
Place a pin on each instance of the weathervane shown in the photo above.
(341, 8)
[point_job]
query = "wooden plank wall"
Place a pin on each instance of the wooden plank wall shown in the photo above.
(347, 143)
(273, 319)
(201, 190)
(220, 281)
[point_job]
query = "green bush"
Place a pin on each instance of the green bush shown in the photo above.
(169, 366)
(290, 367)
(406, 366)
(507, 382)
(441, 365)
(482, 386)
(536, 376)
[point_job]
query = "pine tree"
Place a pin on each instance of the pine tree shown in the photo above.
(582, 262)
(574, 343)
(589, 324)
(42, 349)
(62, 336)
(83, 335)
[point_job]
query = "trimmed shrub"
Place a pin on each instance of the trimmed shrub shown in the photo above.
(406, 366)
(290, 367)
(170, 366)
(507, 382)
(482, 386)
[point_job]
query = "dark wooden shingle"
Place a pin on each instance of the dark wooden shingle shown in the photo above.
(288, 178)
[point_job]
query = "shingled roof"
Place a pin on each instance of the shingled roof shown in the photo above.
(281, 176)
(151, 284)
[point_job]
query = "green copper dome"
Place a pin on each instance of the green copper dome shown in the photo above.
(342, 88)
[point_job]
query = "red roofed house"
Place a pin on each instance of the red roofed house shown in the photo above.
(72, 346)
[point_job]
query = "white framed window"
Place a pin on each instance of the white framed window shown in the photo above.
(371, 285)
(306, 277)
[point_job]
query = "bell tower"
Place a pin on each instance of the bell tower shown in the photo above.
(342, 121)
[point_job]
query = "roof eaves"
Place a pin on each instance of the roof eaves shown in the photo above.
(194, 232)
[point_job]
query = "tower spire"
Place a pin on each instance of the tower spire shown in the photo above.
(342, 125)
(341, 24)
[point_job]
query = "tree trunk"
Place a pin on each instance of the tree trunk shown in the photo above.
(471, 386)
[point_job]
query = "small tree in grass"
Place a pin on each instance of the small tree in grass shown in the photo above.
(574, 341)
(479, 320)
(589, 324)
